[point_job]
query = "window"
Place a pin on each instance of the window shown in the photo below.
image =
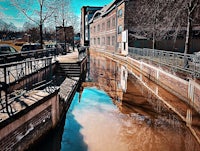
(108, 40)
(119, 13)
(103, 26)
(94, 41)
(108, 24)
(103, 41)
(113, 22)
(91, 41)
(119, 29)
(94, 29)
(98, 28)
(113, 40)
(91, 29)
(98, 41)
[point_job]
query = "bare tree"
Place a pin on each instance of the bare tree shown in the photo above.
(37, 12)
(155, 18)
(66, 14)
(192, 10)
(160, 19)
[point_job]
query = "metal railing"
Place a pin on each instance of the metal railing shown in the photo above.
(82, 52)
(18, 78)
(40, 53)
(178, 62)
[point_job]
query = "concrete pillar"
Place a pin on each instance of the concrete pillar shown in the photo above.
(55, 110)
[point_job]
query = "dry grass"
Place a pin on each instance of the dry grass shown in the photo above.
(12, 43)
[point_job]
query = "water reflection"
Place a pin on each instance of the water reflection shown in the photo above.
(146, 123)
(96, 124)
(115, 112)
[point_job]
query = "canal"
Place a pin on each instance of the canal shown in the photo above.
(115, 112)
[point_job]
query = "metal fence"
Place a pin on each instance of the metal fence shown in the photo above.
(18, 78)
(40, 53)
(178, 62)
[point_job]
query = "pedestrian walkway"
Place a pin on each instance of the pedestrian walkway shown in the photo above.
(70, 57)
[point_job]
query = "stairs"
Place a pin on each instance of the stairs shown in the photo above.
(68, 69)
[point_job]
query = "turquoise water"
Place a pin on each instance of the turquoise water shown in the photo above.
(92, 105)
(94, 123)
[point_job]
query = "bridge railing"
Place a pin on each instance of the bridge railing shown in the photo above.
(187, 63)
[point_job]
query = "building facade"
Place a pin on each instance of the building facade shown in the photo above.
(65, 34)
(124, 23)
(86, 14)
(106, 27)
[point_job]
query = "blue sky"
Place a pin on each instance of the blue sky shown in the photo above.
(9, 13)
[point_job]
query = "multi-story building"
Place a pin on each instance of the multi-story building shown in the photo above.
(124, 23)
(106, 27)
(86, 14)
(65, 34)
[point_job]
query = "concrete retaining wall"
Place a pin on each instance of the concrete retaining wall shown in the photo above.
(188, 91)
(27, 126)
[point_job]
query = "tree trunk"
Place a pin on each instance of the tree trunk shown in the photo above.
(188, 34)
(41, 22)
(41, 35)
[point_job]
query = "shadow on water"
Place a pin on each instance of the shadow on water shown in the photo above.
(72, 139)
(65, 137)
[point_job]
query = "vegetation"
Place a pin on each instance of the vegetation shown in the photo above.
(41, 20)
(165, 19)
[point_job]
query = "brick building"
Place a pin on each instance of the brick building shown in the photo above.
(124, 23)
(65, 34)
(86, 14)
(106, 27)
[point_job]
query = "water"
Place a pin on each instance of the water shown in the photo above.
(94, 123)
(107, 117)
(84, 129)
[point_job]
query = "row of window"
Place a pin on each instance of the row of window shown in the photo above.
(101, 27)
(111, 22)
(119, 29)
(109, 40)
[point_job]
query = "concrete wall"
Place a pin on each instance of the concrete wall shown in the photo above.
(188, 91)
(27, 126)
